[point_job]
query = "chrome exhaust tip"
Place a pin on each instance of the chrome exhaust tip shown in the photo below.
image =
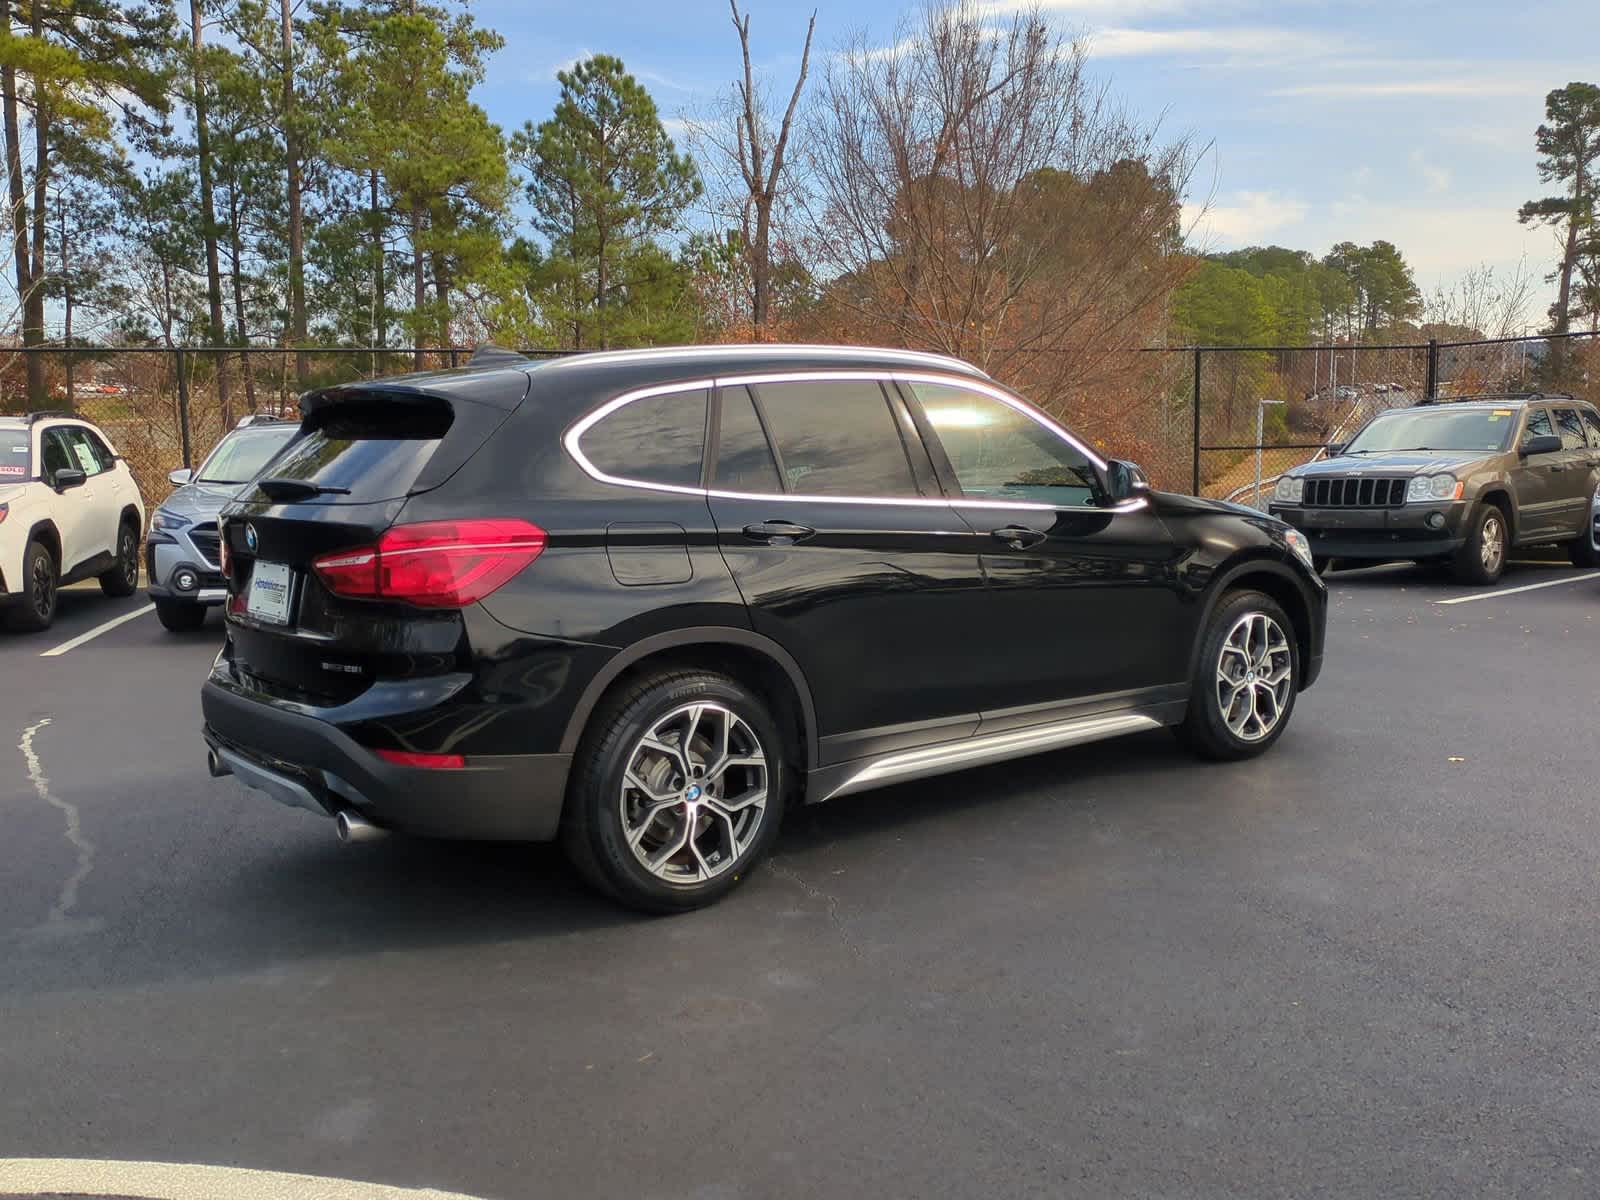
(353, 827)
(216, 766)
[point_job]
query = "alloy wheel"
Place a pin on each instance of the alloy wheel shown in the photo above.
(128, 557)
(44, 587)
(1255, 670)
(1492, 545)
(694, 794)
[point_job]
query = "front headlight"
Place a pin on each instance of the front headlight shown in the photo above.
(167, 522)
(1289, 490)
(1298, 543)
(1424, 488)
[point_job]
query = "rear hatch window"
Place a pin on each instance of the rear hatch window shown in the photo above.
(371, 447)
(14, 453)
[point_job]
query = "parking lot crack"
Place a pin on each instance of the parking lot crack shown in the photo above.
(777, 867)
(67, 900)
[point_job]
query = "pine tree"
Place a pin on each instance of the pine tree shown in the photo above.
(1569, 154)
(606, 181)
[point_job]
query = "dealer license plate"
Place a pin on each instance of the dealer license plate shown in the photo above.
(270, 590)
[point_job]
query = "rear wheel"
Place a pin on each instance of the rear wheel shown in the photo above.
(37, 608)
(123, 577)
(1245, 686)
(676, 793)
(1584, 550)
(180, 616)
(1482, 556)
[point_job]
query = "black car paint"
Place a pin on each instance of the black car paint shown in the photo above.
(891, 623)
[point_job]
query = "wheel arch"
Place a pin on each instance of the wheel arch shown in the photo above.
(45, 531)
(742, 653)
(1271, 577)
(1499, 495)
(130, 516)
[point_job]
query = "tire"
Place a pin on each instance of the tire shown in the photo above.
(606, 815)
(123, 578)
(1229, 720)
(1582, 552)
(179, 616)
(1482, 557)
(41, 580)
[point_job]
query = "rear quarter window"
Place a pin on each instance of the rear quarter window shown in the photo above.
(660, 439)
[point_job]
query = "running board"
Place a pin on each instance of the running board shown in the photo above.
(924, 761)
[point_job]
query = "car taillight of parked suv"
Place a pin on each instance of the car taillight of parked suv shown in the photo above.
(644, 601)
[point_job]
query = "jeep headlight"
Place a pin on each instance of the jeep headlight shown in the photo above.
(1424, 488)
(1289, 490)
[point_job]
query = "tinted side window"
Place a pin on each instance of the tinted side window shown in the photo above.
(1571, 429)
(1592, 420)
(1538, 425)
(837, 438)
(998, 451)
(744, 460)
(659, 439)
(53, 450)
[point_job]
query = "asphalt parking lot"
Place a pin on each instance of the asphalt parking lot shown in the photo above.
(1365, 965)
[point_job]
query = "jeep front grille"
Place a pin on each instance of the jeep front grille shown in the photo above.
(1354, 492)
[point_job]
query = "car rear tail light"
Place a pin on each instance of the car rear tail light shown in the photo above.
(434, 564)
(223, 558)
(5, 511)
(409, 758)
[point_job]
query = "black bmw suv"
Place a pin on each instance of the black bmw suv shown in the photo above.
(642, 601)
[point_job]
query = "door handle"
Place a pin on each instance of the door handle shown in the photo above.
(778, 533)
(1018, 537)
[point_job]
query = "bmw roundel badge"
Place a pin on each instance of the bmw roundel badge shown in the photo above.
(250, 540)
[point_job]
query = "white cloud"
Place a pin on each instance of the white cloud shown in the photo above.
(1482, 84)
(1434, 178)
(1246, 221)
(1277, 45)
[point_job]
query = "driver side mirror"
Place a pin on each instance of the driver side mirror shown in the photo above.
(180, 477)
(69, 477)
(1335, 449)
(1543, 443)
(1124, 480)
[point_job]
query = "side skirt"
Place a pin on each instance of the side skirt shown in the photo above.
(861, 774)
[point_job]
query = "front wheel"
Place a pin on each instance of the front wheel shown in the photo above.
(37, 608)
(1244, 688)
(676, 792)
(123, 577)
(1482, 556)
(180, 616)
(1584, 550)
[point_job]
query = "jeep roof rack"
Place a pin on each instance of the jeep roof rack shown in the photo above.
(1490, 398)
(44, 414)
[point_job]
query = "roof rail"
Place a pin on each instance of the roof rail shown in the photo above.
(44, 413)
(779, 349)
(1488, 397)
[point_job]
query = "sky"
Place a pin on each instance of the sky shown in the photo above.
(1409, 120)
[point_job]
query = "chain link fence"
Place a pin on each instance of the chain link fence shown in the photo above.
(1223, 422)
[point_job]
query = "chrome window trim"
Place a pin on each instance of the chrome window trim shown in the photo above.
(572, 440)
(778, 349)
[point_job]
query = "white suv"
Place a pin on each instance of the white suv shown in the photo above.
(69, 510)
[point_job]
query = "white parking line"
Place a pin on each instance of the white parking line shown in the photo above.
(184, 1181)
(74, 643)
(1527, 587)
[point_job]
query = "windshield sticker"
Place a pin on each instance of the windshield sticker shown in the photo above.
(1498, 413)
(85, 457)
(19, 449)
(10, 470)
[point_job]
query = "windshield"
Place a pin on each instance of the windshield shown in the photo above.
(241, 455)
(1437, 429)
(13, 453)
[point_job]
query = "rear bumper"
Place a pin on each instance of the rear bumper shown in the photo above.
(305, 762)
(1379, 534)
